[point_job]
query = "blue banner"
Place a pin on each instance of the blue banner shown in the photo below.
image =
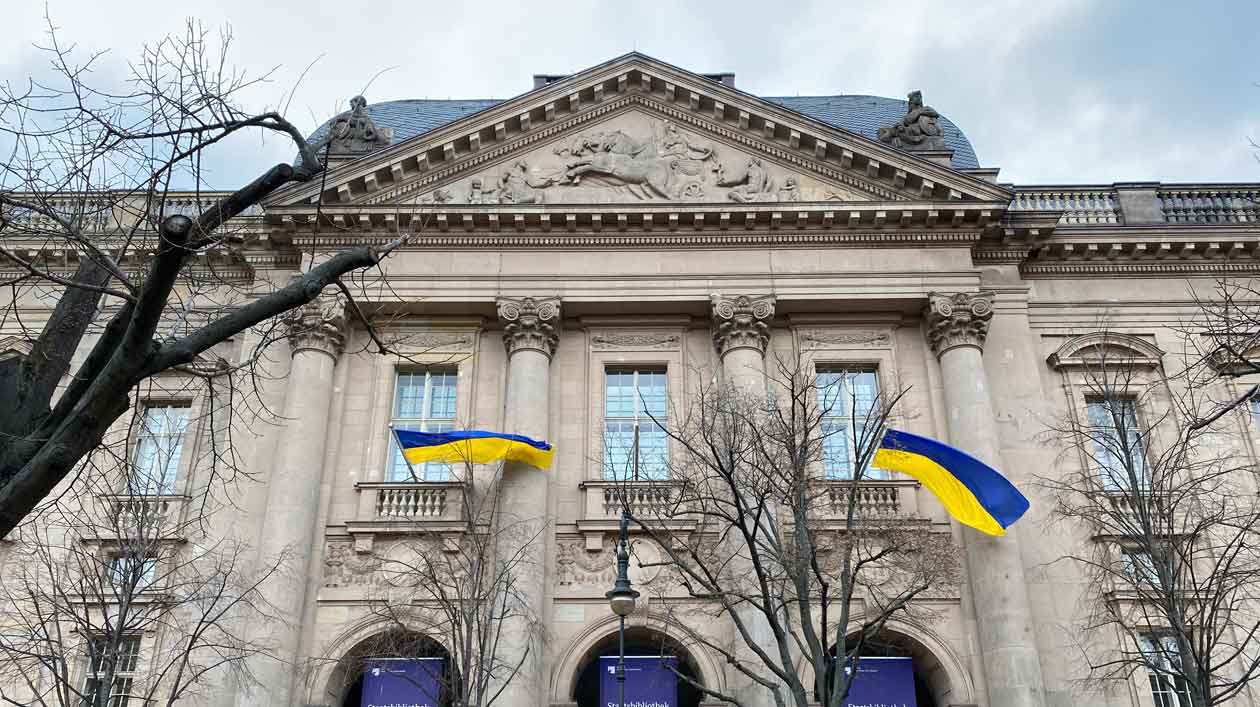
(650, 681)
(882, 682)
(402, 682)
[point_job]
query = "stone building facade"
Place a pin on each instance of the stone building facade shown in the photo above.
(639, 218)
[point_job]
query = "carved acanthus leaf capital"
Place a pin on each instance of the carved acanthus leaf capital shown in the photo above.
(530, 323)
(960, 319)
(742, 322)
(318, 325)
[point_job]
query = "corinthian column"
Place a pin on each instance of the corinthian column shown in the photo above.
(316, 338)
(956, 329)
(530, 335)
(741, 331)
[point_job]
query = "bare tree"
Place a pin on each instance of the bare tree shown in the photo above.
(1153, 469)
(456, 588)
(148, 279)
(750, 523)
(114, 595)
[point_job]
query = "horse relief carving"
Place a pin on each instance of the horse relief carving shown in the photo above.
(631, 158)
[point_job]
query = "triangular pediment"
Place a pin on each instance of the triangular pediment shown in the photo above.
(634, 155)
(638, 130)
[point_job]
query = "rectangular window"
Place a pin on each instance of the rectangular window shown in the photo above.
(423, 401)
(159, 446)
(635, 399)
(125, 656)
(1116, 437)
(131, 569)
(1163, 661)
(1254, 406)
(846, 400)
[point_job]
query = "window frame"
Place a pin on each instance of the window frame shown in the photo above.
(640, 419)
(127, 677)
(140, 482)
(115, 573)
(1164, 690)
(846, 371)
(1103, 474)
(396, 468)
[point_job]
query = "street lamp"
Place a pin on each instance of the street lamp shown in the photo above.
(621, 598)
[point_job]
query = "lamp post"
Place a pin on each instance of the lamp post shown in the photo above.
(621, 598)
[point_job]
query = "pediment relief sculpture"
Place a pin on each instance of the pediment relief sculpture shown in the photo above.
(632, 158)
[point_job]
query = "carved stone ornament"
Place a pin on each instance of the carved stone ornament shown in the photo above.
(742, 322)
(635, 340)
(918, 129)
(440, 340)
(633, 157)
(343, 567)
(530, 324)
(960, 319)
(319, 325)
(821, 338)
(353, 132)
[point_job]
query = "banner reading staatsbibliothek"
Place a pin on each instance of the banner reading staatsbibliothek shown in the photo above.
(650, 681)
(882, 682)
(402, 682)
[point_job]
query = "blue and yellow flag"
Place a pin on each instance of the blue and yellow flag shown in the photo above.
(972, 492)
(473, 446)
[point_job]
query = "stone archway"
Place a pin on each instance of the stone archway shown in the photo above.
(345, 680)
(939, 675)
(575, 680)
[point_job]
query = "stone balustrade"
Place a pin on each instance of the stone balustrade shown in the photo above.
(647, 500)
(1080, 205)
(416, 501)
(1225, 204)
(143, 513)
(876, 499)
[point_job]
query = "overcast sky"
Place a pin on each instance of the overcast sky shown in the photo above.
(1050, 92)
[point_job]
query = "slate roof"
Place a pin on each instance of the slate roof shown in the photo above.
(858, 114)
(866, 114)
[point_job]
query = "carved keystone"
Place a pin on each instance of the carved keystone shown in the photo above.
(742, 322)
(530, 324)
(960, 319)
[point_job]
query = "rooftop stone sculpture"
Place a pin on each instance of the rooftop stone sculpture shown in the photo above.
(918, 128)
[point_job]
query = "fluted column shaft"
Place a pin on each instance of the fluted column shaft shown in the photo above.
(957, 326)
(531, 334)
(316, 339)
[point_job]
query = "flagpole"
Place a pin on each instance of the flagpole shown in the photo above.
(402, 452)
(635, 470)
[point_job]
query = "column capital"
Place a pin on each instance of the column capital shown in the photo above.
(741, 322)
(530, 323)
(318, 325)
(960, 319)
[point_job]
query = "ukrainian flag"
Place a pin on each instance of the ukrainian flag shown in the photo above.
(973, 492)
(473, 446)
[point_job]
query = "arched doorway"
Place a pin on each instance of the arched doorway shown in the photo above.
(641, 641)
(933, 686)
(347, 678)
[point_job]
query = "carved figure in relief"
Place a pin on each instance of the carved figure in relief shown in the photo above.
(753, 185)
(667, 163)
(516, 186)
(918, 129)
